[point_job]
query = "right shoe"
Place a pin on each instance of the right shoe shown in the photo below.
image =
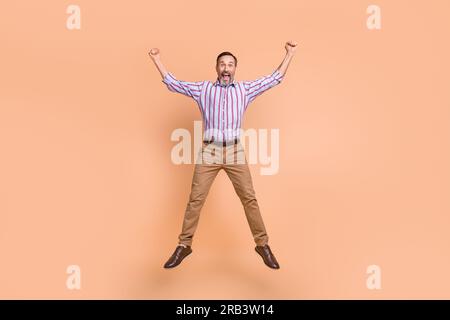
(268, 257)
(179, 254)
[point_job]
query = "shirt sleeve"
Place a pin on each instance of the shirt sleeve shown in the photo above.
(190, 89)
(256, 87)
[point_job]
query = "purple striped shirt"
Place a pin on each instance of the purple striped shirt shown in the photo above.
(222, 106)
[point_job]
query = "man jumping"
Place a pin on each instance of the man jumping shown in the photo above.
(222, 104)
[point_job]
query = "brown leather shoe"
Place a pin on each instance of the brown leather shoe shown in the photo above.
(268, 257)
(179, 254)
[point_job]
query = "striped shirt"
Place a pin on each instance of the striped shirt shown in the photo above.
(222, 106)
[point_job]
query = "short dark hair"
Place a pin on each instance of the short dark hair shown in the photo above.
(226, 53)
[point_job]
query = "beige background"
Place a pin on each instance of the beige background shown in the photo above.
(85, 169)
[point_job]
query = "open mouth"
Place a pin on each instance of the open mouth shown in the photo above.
(226, 76)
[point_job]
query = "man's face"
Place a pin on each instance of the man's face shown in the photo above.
(225, 69)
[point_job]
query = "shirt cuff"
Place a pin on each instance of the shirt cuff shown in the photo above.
(278, 76)
(168, 78)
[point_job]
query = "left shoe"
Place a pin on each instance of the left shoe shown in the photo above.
(179, 254)
(268, 257)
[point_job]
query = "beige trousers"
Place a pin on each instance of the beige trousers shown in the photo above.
(232, 159)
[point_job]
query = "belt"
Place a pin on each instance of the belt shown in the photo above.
(222, 143)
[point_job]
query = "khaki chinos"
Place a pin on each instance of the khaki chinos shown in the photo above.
(210, 160)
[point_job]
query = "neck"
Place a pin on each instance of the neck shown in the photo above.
(223, 82)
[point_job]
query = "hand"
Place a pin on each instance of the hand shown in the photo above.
(154, 53)
(290, 47)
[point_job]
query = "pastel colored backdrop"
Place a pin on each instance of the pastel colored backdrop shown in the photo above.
(86, 177)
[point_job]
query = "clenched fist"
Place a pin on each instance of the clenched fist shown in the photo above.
(290, 46)
(154, 53)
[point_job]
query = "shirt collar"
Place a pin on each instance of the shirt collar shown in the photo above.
(217, 83)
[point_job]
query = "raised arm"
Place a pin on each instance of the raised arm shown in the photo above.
(290, 47)
(154, 54)
(190, 89)
(257, 87)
